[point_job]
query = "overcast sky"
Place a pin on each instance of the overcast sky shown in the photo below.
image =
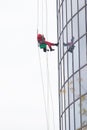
(21, 94)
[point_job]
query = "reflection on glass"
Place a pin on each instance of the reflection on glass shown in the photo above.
(71, 118)
(61, 19)
(77, 114)
(69, 32)
(84, 109)
(75, 27)
(70, 63)
(64, 13)
(61, 46)
(63, 93)
(68, 9)
(82, 51)
(66, 95)
(61, 106)
(64, 121)
(82, 27)
(71, 90)
(76, 60)
(81, 3)
(65, 59)
(65, 35)
(84, 80)
(76, 85)
(74, 6)
(67, 120)
(62, 73)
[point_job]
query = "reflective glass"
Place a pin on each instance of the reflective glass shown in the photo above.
(76, 57)
(82, 27)
(83, 51)
(71, 118)
(67, 120)
(77, 114)
(83, 80)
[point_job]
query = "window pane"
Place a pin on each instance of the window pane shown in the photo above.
(76, 57)
(63, 93)
(74, 6)
(64, 13)
(66, 95)
(68, 9)
(65, 59)
(67, 120)
(71, 90)
(65, 39)
(76, 85)
(83, 51)
(75, 27)
(70, 64)
(64, 121)
(82, 26)
(81, 3)
(77, 114)
(84, 110)
(71, 118)
(83, 80)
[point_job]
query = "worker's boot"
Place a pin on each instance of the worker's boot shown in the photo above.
(51, 49)
(56, 44)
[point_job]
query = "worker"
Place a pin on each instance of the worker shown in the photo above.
(43, 43)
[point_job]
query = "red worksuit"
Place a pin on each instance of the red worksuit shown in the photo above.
(41, 39)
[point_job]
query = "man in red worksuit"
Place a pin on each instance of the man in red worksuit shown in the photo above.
(42, 43)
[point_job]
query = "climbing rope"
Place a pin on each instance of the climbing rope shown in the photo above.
(49, 92)
(40, 63)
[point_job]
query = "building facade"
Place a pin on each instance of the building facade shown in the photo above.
(72, 64)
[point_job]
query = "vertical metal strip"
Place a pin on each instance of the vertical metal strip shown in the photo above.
(67, 67)
(73, 70)
(79, 62)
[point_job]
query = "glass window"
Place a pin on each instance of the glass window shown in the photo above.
(81, 3)
(63, 97)
(67, 119)
(64, 121)
(68, 9)
(61, 46)
(82, 26)
(64, 13)
(83, 80)
(76, 85)
(75, 27)
(66, 95)
(82, 51)
(69, 32)
(65, 40)
(84, 109)
(61, 123)
(70, 63)
(71, 118)
(77, 114)
(61, 19)
(62, 73)
(74, 6)
(76, 57)
(60, 76)
(61, 103)
(71, 90)
(65, 59)
(59, 51)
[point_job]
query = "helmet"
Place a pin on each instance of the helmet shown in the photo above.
(39, 37)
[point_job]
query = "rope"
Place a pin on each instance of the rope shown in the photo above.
(48, 77)
(40, 60)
